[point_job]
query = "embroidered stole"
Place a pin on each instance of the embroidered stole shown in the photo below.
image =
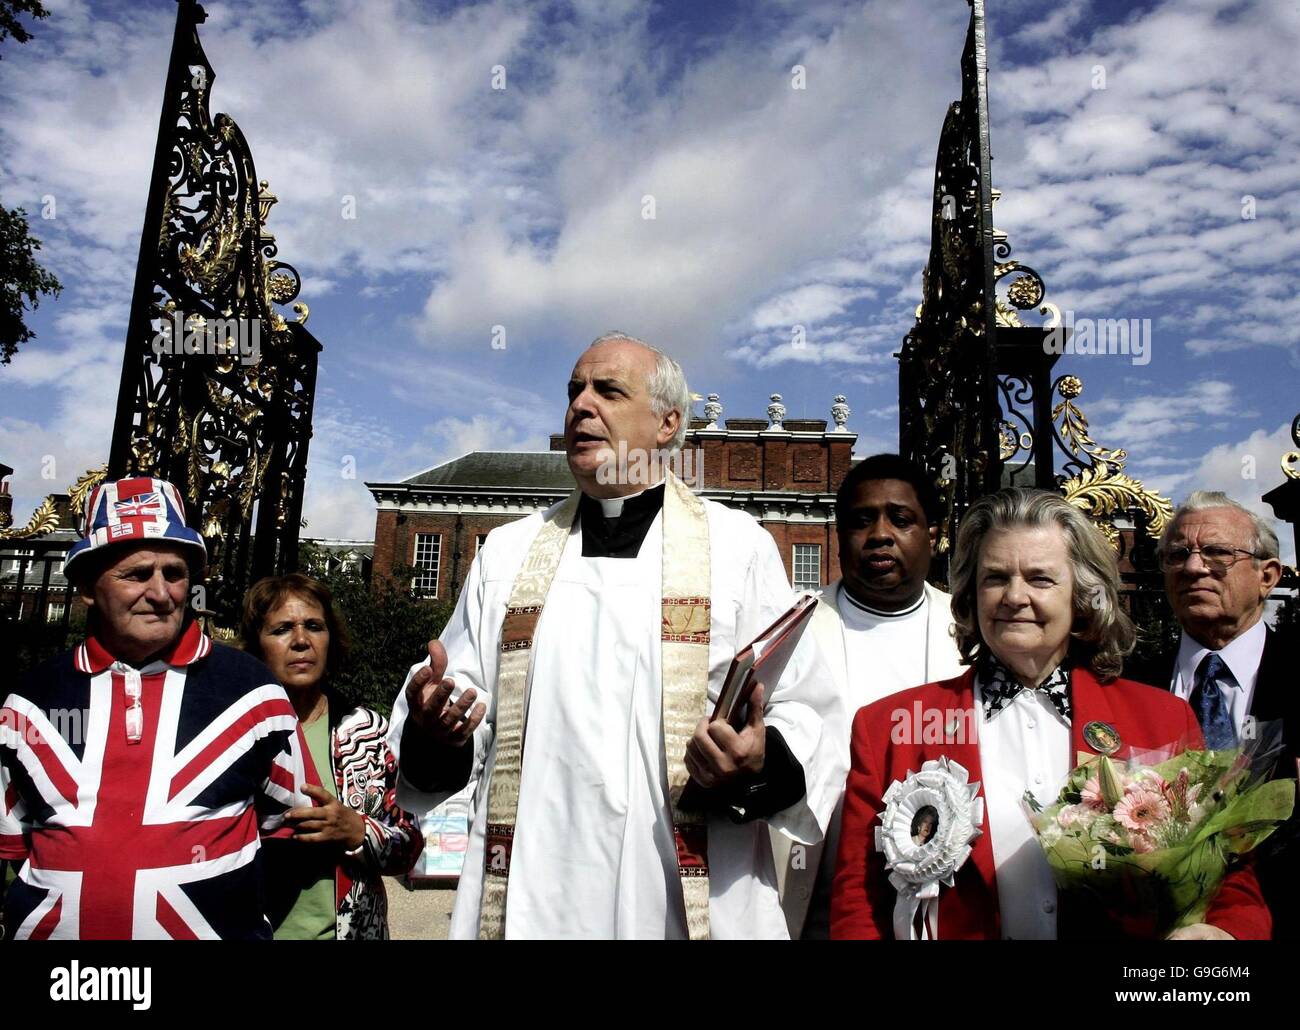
(684, 661)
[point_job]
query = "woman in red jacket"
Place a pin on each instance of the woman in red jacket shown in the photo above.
(1035, 591)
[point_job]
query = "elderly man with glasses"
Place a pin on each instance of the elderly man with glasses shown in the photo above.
(1220, 564)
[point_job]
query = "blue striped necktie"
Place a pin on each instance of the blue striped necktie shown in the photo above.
(1211, 706)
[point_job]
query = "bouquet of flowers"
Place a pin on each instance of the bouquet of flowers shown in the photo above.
(1145, 842)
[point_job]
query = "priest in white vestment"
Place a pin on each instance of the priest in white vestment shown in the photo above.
(588, 701)
(882, 629)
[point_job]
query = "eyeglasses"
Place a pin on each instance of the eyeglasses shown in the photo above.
(1216, 557)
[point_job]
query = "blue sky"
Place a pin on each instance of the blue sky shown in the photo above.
(1126, 140)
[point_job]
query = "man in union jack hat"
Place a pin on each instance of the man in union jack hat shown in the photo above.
(140, 771)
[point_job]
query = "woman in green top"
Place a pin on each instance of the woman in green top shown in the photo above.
(326, 883)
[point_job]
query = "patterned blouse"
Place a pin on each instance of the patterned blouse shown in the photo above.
(365, 776)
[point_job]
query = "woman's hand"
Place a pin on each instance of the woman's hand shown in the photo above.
(330, 822)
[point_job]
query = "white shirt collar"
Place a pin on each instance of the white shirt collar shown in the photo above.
(1242, 655)
(852, 604)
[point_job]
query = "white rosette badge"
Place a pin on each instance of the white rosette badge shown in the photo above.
(930, 821)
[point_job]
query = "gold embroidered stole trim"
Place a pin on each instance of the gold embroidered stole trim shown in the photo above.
(685, 624)
(684, 659)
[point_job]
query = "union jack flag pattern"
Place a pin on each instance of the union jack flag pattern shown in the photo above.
(148, 825)
(137, 508)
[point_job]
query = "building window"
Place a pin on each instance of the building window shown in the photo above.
(479, 540)
(54, 613)
(17, 560)
(807, 566)
(428, 546)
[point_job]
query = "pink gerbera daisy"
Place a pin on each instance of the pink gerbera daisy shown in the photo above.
(1141, 843)
(1141, 810)
(1092, 796)
(1149, 779)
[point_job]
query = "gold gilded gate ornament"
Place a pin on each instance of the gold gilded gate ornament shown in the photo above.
(1291, 459)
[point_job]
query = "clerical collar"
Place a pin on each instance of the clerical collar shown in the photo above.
(883, 614)
(619, 535)
(612, 507)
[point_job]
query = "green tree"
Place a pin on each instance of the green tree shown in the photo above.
(9, 23)
(389, 625)
(1287, 618)
(29, 642)
(22, 279)
(1158, 628)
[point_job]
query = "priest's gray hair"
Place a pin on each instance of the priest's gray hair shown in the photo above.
(1263, 539)
(1102, 633)
(666, 384)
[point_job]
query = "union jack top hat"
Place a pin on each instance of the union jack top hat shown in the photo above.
(134, 510)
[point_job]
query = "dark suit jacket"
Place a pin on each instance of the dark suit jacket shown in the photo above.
(1277, 696)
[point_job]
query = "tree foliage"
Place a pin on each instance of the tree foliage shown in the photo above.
(1158, 628)
(22, 279)
(28, 642)
(1287, 618)
(389, 625)
(9, 23)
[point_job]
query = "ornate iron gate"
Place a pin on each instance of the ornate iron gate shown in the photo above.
(217, 386)
(977, 403)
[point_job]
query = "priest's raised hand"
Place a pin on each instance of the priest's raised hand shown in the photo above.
(429, 696)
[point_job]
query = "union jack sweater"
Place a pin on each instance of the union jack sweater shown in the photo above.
(144, 818)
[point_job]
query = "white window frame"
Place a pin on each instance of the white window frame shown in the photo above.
(420, 583)
(814, 551)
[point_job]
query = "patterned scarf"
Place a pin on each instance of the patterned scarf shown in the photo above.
(999, 687)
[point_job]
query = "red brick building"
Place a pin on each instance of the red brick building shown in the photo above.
(784, 472)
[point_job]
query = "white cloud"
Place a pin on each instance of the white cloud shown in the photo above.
(461, 436)
(1058, 23)
(1135, 195)
(1145, 423)
(804, 305)
(751, 182)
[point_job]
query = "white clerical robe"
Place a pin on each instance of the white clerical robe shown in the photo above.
(594, 853)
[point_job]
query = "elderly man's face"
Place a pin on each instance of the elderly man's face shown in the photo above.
(1215, 607)
(140, 600)
(609, 405)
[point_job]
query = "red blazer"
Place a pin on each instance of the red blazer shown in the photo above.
(862, 901)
